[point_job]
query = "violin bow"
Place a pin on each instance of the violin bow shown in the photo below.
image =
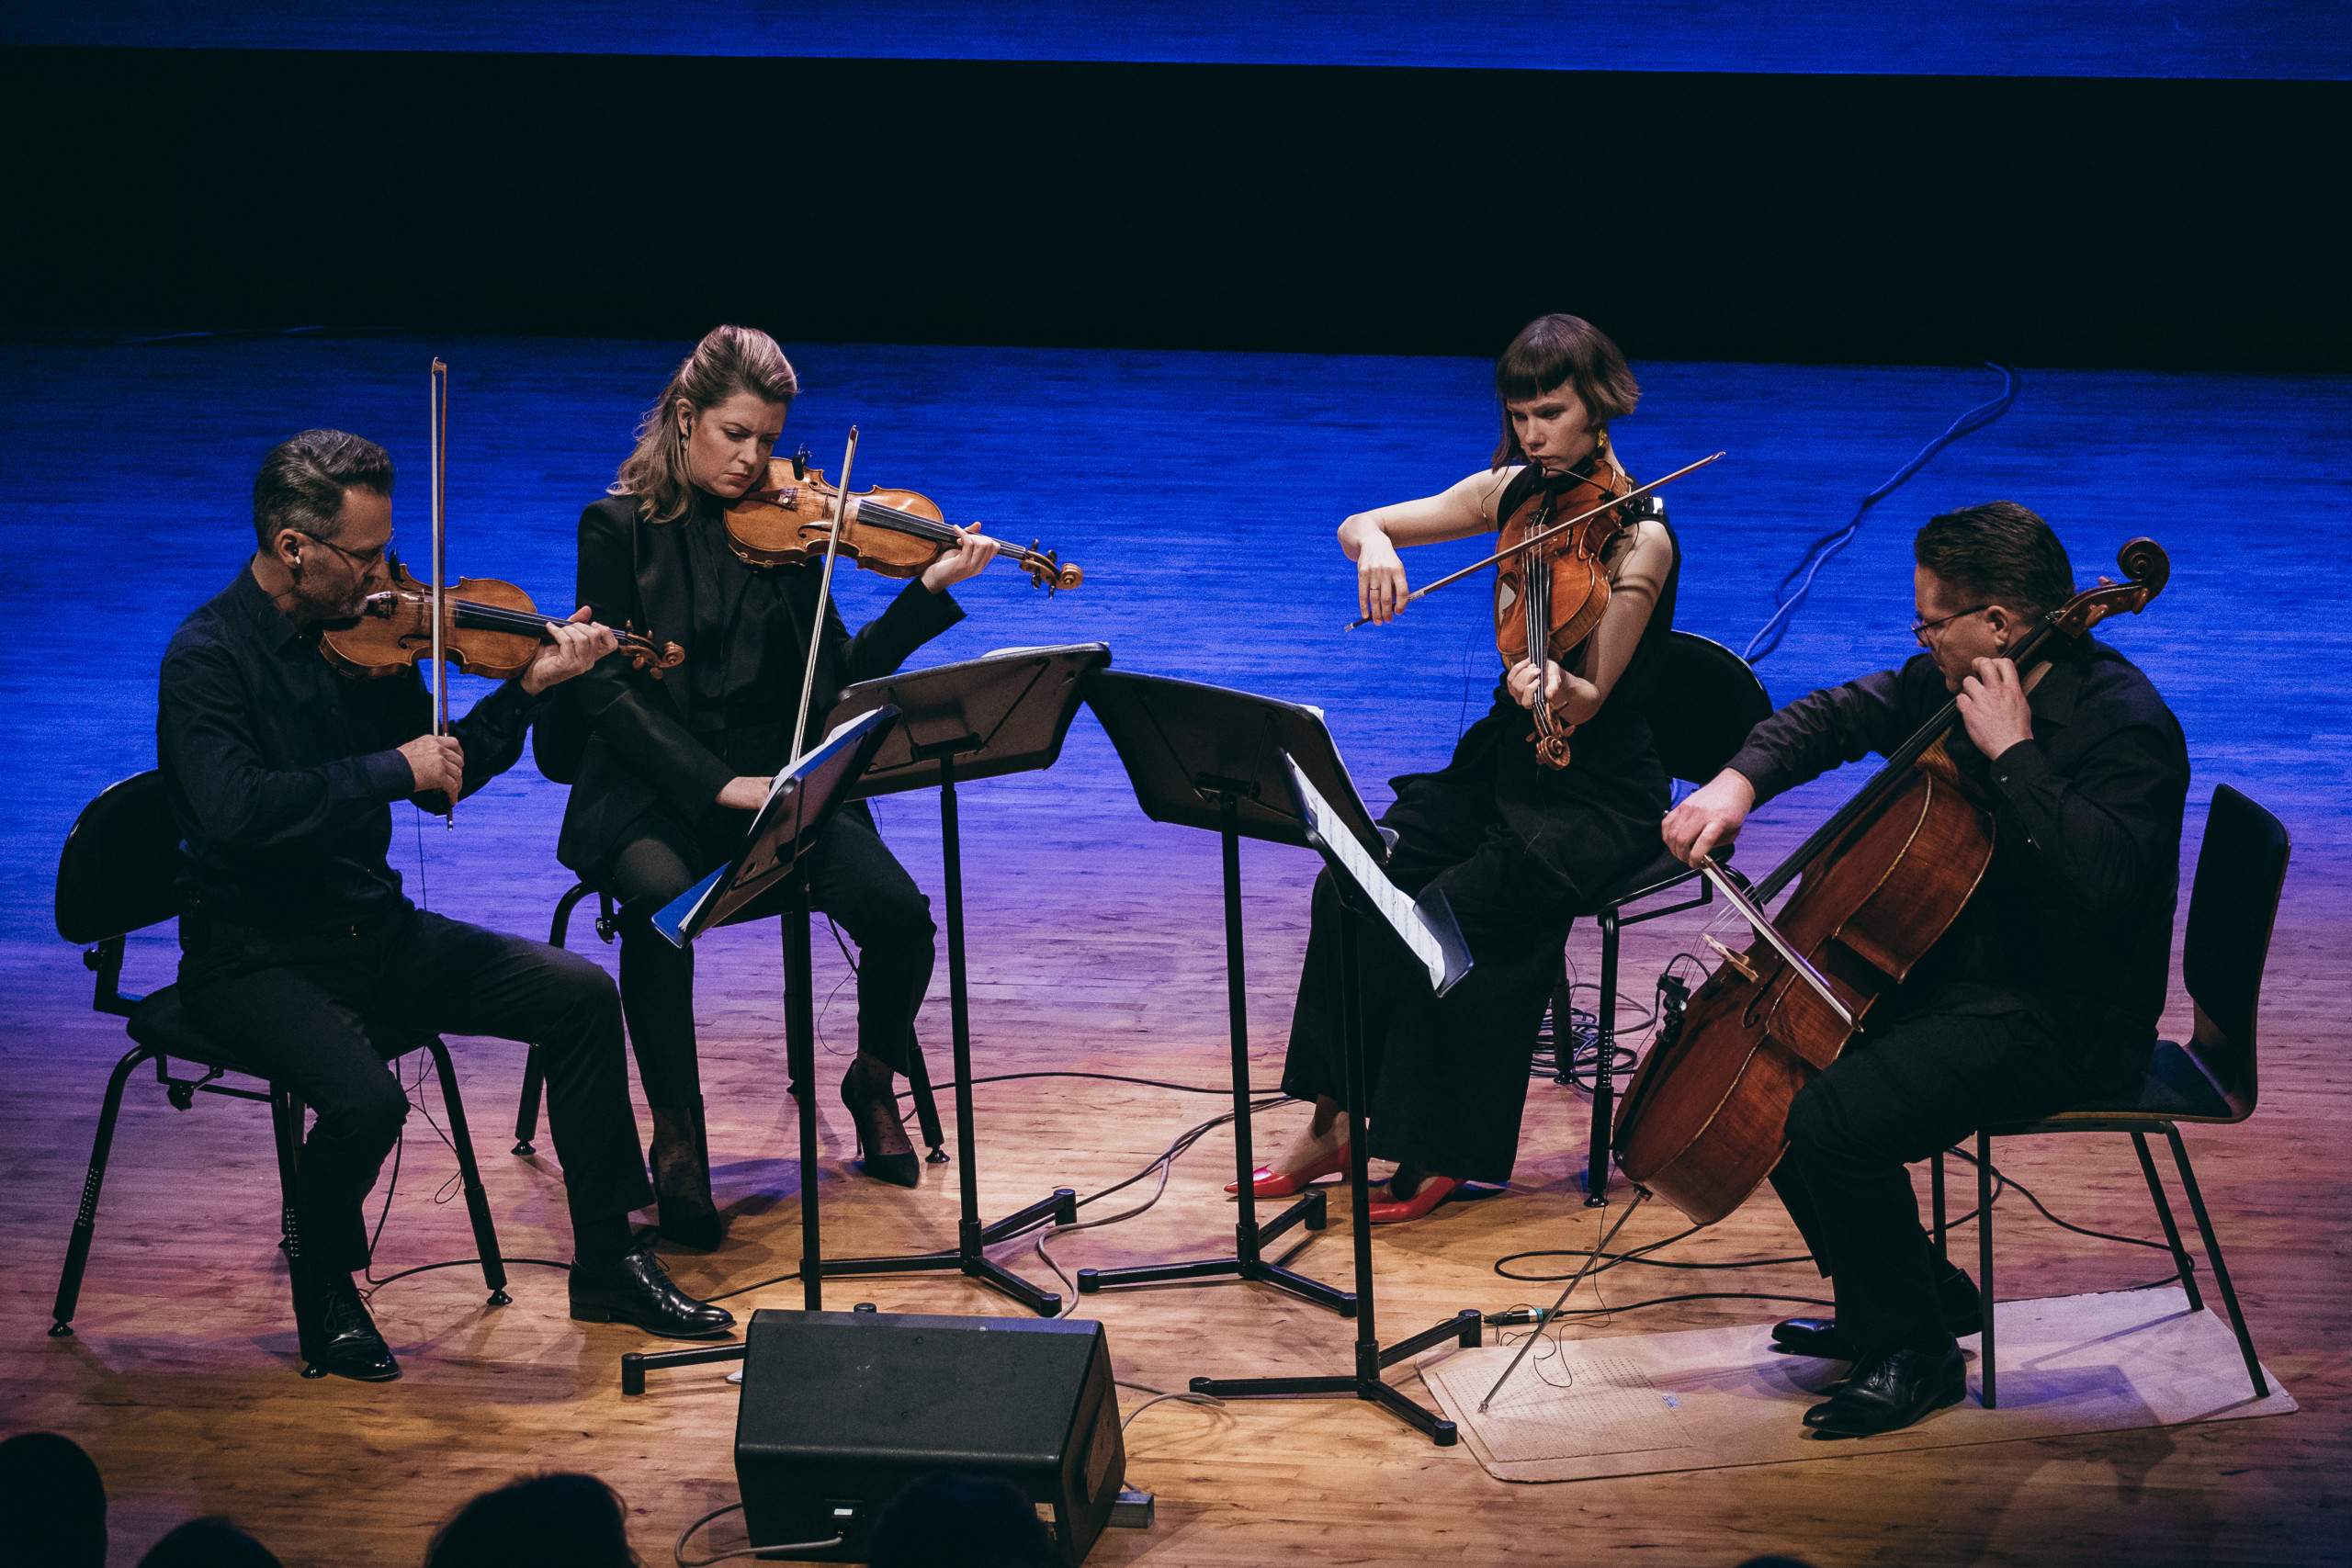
(1533, 540)
(437, 429)
(824, 596)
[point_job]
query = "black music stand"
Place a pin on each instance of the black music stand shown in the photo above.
(774, 857)
(1008, 713)
(1209, 757)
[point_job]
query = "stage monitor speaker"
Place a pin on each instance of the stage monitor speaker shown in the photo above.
(840, 1410)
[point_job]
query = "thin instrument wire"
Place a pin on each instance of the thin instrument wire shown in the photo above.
(1590, 1260)
(1534, 539)
(824, 597)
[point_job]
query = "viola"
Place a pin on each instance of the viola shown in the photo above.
(1551, 587)
(1704, 1119)
(897, 533)
(488, 627)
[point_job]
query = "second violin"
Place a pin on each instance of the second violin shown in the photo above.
(897, 533)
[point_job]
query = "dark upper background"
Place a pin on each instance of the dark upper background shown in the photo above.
(2064, 184)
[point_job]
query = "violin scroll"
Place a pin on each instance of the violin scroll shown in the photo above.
(2146, 568)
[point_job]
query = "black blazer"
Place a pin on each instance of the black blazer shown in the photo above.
(619, 737)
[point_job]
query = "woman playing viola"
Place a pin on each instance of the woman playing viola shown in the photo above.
(1519, 847)
(672, 770)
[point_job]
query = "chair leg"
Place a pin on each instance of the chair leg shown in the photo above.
(1604, 1054)
(526, 1114)
(493, 1266)
(2182, 1263)
(1984, 1262)
(1563, 1012)
(85, 1219)
(2220, 1269)
(926, 1104)
(535, 1074)
(286, 1129)
(1936, 1206)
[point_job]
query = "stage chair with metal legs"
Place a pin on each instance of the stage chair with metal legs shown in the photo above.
(526, 1112)
(1707, 699)
(114, 876)
(2210, 1078)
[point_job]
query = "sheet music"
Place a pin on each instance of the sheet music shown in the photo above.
(682, 915)
(1446, 961)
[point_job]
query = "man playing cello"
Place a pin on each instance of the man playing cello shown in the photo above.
(2043, 994)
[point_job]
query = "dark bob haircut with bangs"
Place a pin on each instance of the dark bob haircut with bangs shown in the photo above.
(1558, 351)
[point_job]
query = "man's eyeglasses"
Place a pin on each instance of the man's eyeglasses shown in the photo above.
(1920, 628)
(366, 563)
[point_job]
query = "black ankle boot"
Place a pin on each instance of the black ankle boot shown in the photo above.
(681, 1178)
(867, 1089)
(337, 1333)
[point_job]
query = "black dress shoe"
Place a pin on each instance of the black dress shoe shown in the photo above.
(637, 1289)
(344, 1339)
(1891, 1390)
(1963, 1314)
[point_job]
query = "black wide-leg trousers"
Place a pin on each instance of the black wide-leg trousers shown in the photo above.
(853, 876)
(320, 1013)
(1973, 1056)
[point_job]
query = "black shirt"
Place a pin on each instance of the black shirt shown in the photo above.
(2078, 900)
(281, 772)
(736, 669)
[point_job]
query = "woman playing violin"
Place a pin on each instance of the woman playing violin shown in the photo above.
(673, 770)
(1519, 846)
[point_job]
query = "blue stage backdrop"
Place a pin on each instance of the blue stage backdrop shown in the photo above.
(1199, 493)
(1975, 37)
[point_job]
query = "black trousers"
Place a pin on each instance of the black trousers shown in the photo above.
(854, 877)
(320, 1013)
(1973, 1056)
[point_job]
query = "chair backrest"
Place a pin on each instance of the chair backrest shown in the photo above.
(2241, 870)
(115, 873)
(1707, 699)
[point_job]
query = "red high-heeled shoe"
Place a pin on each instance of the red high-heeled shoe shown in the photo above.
(1267, 1183)
(1434, 1190)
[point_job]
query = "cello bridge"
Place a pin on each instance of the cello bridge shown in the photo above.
(1735, 961)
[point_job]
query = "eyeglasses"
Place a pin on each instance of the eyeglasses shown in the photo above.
(366, 563)
(1920, 628)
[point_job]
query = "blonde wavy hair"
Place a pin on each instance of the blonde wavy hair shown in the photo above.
(726, 361)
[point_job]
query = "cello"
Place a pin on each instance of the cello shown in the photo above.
(1704, 1119)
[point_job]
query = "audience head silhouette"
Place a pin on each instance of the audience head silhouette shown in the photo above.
(209, 1543)
(54, 1501)
(548, 1521)
(959, 1521)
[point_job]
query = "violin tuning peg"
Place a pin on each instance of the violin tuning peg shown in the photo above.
(800, 463)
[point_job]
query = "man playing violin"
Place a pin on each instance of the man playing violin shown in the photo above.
(2043, 994)
(296, 942)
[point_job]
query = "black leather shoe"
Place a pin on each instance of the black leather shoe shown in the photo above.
(1964, 1315)
(637, 1289)
(1891, 1390)
(344, 1339)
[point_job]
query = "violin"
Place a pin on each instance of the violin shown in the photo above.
(1704, 1119)
(1552, 592)
(897, 533)
(488, 627)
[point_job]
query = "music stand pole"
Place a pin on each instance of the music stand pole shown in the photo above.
(1312, 1209)
(800, 1061)
(1011, 713)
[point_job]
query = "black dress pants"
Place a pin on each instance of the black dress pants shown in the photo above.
(320, 1012)
(1973, 1056)
(854, 877)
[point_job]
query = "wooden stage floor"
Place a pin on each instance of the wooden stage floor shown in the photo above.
(1095, 949)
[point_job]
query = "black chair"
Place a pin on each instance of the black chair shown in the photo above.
(2232, 906)
(114, 876)
(526, 1113)
(1707, 699)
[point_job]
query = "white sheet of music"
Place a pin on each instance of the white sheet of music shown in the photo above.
(1397, 909)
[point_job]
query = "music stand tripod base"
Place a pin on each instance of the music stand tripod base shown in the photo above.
(1005, 713)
